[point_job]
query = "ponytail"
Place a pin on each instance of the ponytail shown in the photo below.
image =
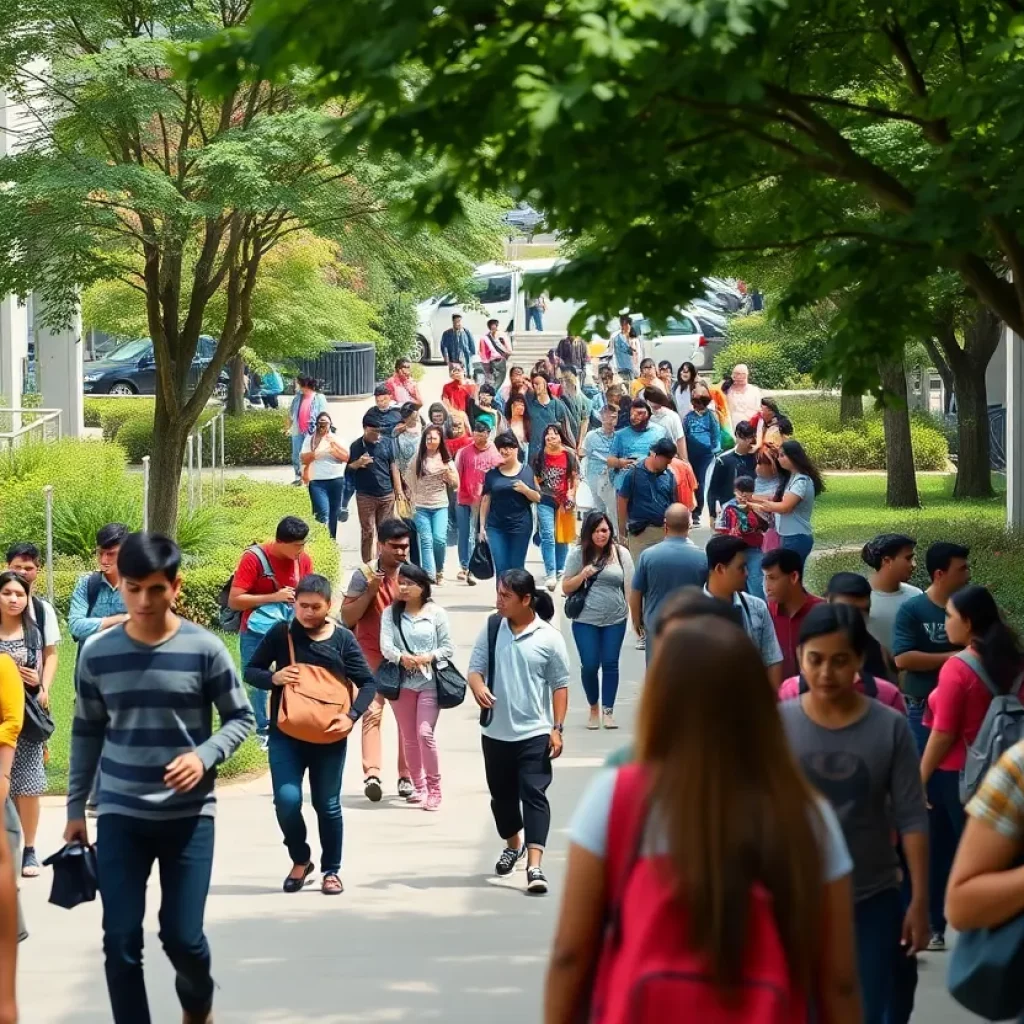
(995, 642)
(522, 584)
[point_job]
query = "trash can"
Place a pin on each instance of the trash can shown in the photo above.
(345, 371)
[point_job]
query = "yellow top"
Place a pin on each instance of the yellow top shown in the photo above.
(639, 383)
(12, 702)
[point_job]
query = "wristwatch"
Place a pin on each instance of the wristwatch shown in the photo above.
(559, 727)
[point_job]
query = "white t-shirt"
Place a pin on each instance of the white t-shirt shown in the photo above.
(51, 627)
(327, 467)
(884, 607)
(669, 422)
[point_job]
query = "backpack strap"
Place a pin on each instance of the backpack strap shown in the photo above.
(626, 822)
(493, 625)
(974, 663)
(261, 557)
(92, 592)
(870, 685)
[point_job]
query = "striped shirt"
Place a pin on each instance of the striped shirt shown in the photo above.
(999, 801)
(139, 706)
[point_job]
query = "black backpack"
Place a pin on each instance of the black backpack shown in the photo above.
(493, 625)
(230, 619)
(92, 594)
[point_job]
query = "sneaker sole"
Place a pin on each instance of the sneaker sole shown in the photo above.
(373, 792)
(537, 888)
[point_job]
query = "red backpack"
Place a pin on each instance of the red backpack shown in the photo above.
(647, 973)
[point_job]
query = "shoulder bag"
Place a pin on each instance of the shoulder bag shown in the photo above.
(389, 675)
(314, 709)
(576, 601)
(450, 682)
(38, 726)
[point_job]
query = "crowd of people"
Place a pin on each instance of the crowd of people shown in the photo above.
(814, 836)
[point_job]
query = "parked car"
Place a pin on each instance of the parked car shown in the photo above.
(687, 337)
(130, 369)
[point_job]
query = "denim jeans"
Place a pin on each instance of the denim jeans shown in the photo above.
(297, 440)
(347, 492)
(126, 850)
(599, 648)
(432, 526)
(799, 542)
(904, 970)
(325, 497)
(701, 458)
(508, 550)
(533, 315)
(552, 552)
(247, 644)
(877, 924)
(755, 578)
(290, 759)
(468, 518)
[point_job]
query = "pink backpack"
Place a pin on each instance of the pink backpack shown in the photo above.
(647, 974)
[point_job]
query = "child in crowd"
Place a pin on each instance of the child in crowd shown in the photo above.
(739, 518)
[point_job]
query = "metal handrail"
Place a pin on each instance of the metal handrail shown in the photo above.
(42, 418)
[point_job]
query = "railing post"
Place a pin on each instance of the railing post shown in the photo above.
(213, 455)
(222, 449)
(48, 493)
(145, 492)
(199, 469)
(191, 482)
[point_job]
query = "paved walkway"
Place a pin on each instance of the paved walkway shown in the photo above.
(424, 931)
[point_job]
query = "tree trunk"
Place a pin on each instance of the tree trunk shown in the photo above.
(170, 435)
(851, 407)
(236, 387)
(901, 481)
(973, 468)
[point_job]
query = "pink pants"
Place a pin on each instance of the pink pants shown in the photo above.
(417, 715)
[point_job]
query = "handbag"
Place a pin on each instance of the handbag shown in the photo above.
(576, 601)
(481, 564)
(403, 507)
(38, 726)
(389, 675)
(451, 684)
(986, 970)
(314, 709)
(565, 526)
(75, 875)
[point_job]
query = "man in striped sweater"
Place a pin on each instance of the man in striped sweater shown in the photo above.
(143, 716)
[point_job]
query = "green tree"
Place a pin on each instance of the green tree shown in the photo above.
(127, 173)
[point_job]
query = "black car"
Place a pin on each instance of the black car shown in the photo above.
(130, 369)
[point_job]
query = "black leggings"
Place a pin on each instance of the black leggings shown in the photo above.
(518, 775)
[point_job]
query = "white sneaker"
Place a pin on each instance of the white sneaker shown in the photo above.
(551, 583)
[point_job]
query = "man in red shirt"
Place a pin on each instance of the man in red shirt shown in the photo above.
(266, 578)
(788, 602)
(371, 590)
(401, 386)
(457, 392)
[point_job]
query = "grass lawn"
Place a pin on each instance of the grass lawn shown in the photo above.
(249, 757)
(852, 509)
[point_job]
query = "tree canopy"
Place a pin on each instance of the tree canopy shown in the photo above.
(872, 143)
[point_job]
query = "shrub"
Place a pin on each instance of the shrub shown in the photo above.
(98, 411)
(770, 366)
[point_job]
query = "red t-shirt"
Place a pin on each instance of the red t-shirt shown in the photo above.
(250, 579)
(787, 629)
(367, 629)
(957, 705)
(458, 395)
(456, 444)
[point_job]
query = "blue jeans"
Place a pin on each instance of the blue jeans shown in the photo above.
(877, 925)
(508, 550)
(701, 458)
(533, 315)
(347, 492)
(247, 644)
(325, 497)
(290, 759)
(904, 970)
(551, 551)
(126, 850)
(599, 648)
(468, 518)
(297, 440)
(755, 578)
(432, 527)
(799, 542)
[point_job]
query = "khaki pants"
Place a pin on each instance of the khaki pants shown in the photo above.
(642, 541)
(371, 743)
(372, 512)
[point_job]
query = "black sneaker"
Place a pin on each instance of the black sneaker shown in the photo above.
(536, 882)
(342, 515)
(372, 788)
(509, 859)
(405, 788)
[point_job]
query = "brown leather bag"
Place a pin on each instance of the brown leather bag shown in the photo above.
(315, 709)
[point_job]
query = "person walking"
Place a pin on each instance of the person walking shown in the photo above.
(682, 389)
(415, 635)
(506, 506)
(727, 580)
(401, 385)
(472, 464)
(494, 350)
(306, 405)
(739, 518)
(519, 677)
(737, 462)
(430, 476)
(850, 588)
(648, 378)
(371, 590)
(633, 442)
(664, 415)
(518, 416)
(12, 924)
(789, 603)
(536, 307)
(572, 351)
(602, 569)
(458, 392)
(624, 350)
(860, 755)
(891, 557)
(661, 569)
(324, 460)
(597, 447)
(644, 493)
(263, 590)
(713, 823)
(556, 471)
(457, 345)
(405, 438)
(96, 602)
(483, 408)
(703, 441)
(22, 641)
(373, 469)
(544, 410)
(743, 398)
(577, 405)
(793, 505)
(312, 638)
(144, 717)
(665, 376)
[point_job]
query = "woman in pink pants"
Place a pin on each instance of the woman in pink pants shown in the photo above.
(414, 633)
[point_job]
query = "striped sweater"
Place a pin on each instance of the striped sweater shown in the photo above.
(139, 707)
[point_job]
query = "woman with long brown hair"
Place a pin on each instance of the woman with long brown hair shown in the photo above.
(429, 476)
(727, 876)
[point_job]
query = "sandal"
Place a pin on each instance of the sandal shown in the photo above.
(331, 885)
(296, 884)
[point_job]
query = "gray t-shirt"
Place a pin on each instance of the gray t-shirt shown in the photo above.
(606, 600)
(664, 568)
(790, 524)
(869, 773)
(528, 668)
(884, 608)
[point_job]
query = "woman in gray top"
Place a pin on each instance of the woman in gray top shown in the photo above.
(604, 569)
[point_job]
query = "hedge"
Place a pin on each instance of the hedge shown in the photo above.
(780, 355)
(99, 411)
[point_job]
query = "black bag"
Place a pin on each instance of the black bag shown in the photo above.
(92, 594)
(575, 602)
(75, 878)
(230, 619)
(451, 685)
(389, 675)
(38, 725)
(481, 564)
(493, 625)
(986, 970)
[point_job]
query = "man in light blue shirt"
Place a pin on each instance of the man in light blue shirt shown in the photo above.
(632, 443)
(96, 602)
(622, 350)
(597, 446)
